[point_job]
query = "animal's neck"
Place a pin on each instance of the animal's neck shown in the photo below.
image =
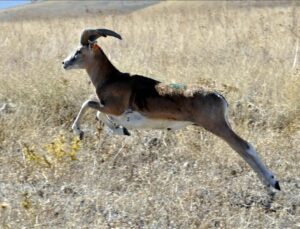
(101, 70)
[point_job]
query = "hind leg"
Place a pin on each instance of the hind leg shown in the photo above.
(213, 117)
(114, 127)
(246, 151)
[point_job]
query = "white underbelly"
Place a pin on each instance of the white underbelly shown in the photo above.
(135, 120)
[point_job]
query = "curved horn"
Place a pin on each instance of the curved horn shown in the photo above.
(92, 34)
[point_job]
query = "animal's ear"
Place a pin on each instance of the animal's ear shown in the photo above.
(94, 47)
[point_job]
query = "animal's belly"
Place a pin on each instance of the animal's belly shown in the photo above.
(135, 120)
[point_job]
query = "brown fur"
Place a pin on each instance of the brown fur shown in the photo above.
(119, 92)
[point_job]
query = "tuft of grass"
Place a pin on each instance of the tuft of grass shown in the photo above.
(58, 151)
(26, 202)
(32, 156)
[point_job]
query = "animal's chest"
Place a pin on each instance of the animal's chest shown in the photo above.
(135, 120)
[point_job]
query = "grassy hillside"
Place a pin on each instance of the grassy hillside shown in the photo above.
(48, 9)
(153, 179)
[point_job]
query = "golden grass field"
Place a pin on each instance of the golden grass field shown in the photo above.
(153, 179)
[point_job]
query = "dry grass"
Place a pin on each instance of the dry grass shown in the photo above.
(153, 179)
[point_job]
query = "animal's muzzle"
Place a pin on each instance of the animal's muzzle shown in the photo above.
(65, 64)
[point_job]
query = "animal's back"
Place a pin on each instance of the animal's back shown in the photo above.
(168, 101)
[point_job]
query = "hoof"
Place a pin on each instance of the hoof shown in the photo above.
(126, 132)
(276, 186)
(81, 135)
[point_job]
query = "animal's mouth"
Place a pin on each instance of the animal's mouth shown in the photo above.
(66, 65)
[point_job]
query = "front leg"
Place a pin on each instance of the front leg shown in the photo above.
(90, 103)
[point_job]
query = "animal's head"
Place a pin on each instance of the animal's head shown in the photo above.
(88, 49)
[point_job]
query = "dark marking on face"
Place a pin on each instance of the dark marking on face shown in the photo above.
(77, 53)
